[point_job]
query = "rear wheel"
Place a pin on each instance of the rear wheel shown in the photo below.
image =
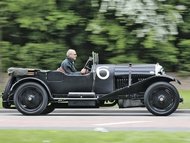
(30, 98)
(161, 99)
(50, 108)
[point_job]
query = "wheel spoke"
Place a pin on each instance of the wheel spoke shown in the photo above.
(30, 98)
(162, 99)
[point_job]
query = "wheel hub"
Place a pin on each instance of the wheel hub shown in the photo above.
(161, 98)
(30, 97)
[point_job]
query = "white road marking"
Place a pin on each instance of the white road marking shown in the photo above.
(120, 123)
(99, 129)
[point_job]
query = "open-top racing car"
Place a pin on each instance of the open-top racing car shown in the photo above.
(39, 92)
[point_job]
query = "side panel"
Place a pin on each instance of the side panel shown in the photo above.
(135, 69)
(104, 81)
(60, 83)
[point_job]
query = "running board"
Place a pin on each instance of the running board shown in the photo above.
(74, 99)
(80, 99)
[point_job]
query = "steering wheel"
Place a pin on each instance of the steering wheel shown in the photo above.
(88, 64)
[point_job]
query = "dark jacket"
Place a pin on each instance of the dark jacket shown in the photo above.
(68, 66)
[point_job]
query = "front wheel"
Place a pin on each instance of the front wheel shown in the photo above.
(30, 98)
(161, 99)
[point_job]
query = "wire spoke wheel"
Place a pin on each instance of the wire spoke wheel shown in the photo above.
(30, 98)
(161, 99)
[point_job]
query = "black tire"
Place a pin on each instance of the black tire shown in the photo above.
(121, 103)
(50, 108)
(161, 99)
(30, 98)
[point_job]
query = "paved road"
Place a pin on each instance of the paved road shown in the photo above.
(97, 119)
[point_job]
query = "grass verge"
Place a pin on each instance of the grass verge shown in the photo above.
(185, 94)
(58, 136)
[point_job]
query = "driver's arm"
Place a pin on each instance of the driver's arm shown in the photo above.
(87, 66)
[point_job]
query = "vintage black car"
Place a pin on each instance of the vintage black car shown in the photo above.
(39, 92)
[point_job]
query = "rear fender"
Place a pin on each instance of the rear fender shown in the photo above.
(31, 79)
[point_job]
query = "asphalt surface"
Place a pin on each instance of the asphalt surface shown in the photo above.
(102, 120)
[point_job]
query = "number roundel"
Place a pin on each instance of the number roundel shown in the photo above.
(103, 72)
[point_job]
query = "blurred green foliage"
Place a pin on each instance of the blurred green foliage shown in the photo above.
(37, 33)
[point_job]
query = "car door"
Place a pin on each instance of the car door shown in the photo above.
(61, 83)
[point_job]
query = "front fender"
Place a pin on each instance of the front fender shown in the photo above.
(165, 78)
(29, 79)
(144, 84)
(140, 86)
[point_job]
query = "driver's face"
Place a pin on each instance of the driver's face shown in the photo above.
(73, 55)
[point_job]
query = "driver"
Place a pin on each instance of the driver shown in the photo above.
(68, 66)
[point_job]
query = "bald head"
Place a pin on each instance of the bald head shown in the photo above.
(71, 53)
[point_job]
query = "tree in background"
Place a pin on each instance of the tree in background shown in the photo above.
(144, 31)
(37, 33)
(183, 38)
